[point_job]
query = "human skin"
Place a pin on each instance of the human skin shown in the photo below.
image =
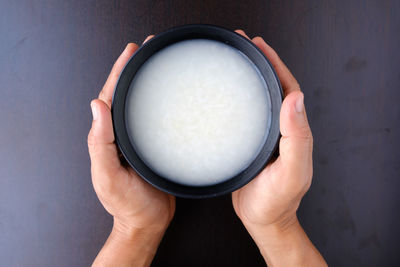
(266, 206)
(141, 213)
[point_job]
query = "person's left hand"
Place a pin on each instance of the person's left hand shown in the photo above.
(134, 204)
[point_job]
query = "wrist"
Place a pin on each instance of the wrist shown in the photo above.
(129, 233)
(130, 228)
(141, 242)
(129, 246)
(266, 234)
(277, 227)
(284, 243)
(278, 241)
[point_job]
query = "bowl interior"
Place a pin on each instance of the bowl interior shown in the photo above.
(157, 43)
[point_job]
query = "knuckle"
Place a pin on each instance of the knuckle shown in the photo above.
(90, 139)
(308, 180)
(306, 186)
(296, 86)
(307, 133)
(258, 39)
(101, 94)
(92, 143)
(311, 139)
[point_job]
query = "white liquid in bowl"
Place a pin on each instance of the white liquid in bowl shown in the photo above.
(198, 112)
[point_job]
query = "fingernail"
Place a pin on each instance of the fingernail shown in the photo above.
(299, 105)
(94, 111)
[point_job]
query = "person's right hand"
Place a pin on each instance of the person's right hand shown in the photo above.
(267, 205)
(274, 195)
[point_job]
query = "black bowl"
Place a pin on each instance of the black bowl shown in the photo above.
(167, 38)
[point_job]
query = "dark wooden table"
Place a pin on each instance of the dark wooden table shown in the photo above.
(55, 56)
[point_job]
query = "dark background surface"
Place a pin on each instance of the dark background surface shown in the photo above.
(55, 56)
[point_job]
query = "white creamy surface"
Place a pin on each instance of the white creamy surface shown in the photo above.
(198, 112)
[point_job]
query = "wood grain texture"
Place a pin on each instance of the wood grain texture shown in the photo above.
(55, 56)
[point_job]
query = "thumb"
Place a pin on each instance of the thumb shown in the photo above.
(102, 150)
(296, 144)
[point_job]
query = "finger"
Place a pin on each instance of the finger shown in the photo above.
(289, 83)
(102, 150)
(242, 33)
(148, 38)
(296, 144)
(107, 92)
